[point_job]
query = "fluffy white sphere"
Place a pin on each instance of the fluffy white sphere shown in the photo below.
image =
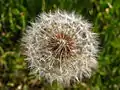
(61, 46)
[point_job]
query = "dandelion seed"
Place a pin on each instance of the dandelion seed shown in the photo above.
(61, 46)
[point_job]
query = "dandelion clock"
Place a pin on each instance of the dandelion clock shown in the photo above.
(61, 46)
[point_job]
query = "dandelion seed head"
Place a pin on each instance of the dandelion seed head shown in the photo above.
(61, 46)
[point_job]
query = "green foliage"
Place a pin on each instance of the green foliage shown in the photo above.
(16, 14)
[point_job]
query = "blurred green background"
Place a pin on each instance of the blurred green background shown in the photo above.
(15, 15)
